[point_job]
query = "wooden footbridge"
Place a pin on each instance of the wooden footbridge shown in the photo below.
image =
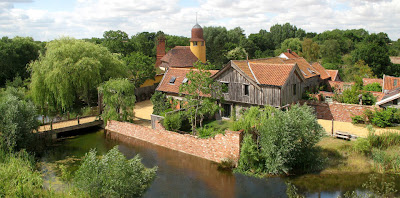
(55, 128)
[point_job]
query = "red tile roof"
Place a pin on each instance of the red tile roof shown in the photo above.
(390, 82)
(272, 74)
(339, 86)
(378, 95)
(179, 56)
(306, 69)
(291, 54)
(179, 74)
(395, 59)
(321, 70)
(333, 74)
(367, 81)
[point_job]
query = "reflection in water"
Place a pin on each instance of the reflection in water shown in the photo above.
(183, 175)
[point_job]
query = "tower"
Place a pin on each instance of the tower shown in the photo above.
(197, 43)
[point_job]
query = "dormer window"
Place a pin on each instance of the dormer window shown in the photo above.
(172, 80)
(185, 80)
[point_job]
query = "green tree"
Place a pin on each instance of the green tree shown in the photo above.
(291, 43)
(160, 103)
(172, 41)
(373, 87)
(117, 42)
(237, 54)
(144, 42)
(287, 140)
(375, 52)
(216, 39)
(264, 44)
(200, 89)
(15, 54)
(358, 70)
(282, 32)
(310, 50)
(141, 68)
(70, 72)
(18, 120)
(119, 99)
(330, 51)
(113, 175)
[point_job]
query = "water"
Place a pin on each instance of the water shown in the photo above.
(183, 175)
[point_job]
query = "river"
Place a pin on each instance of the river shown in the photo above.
(183, 175)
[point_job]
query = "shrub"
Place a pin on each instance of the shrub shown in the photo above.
(362, 145)
(357, 119)
(160, 103)
(250, 159)
(113, 175)
(173, 121)
(382, 118)
(206, 132)
(373, 87)
(287, 139)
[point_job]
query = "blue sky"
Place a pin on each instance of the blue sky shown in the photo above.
(50, 19)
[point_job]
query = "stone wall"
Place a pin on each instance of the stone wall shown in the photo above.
(215, 149)
(337, 111)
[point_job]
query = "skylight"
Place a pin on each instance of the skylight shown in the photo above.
(184, 80)
(311, 71)
(303, 72)
(172, 80)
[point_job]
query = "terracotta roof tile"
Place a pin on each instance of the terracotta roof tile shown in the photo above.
(179, 56)
(333, 74)
(379, 95)
(291, 54)
(321, 70)
(179, 74)
(395, 59)
(339, 86)
(391, 82)
(306, 69)
(271, 74)
(367, 81)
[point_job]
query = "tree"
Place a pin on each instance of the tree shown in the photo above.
(237, 54)
(374, 51)
(373, 87)
(287, 139)
(117, 42)
(310, 50)
(15, 54)
(358, 70)
(172, 41)
(70, 72)
(119, 99)
(113, 175)
(141, 68)
(330, 51)
(200, 89)
(145, 42)
(291, 43)
(18, 120)
(216, 39)
(282, 32)
(160, 103)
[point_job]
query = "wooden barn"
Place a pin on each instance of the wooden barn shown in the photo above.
(259, 83)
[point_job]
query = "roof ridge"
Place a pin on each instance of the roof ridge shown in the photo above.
(248, 64)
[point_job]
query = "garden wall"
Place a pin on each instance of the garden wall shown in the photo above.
(337, 111)
(214, 149)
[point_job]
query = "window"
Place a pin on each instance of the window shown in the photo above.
(202, 43)
(395, 101)
(225, 88)
(194, 43)
(294, 89)
(246, 90)
(172, 80)
(184, 80)
(395, 82)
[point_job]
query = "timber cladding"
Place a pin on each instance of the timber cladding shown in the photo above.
(215, 149)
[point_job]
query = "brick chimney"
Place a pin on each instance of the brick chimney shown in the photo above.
(160, 49)
(289, 51)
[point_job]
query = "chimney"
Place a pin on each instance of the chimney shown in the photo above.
(289, 51)
(160, 50)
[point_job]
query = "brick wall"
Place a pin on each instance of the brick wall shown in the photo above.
(214, 149)
(337, 111)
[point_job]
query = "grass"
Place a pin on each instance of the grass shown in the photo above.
(341, 157)
(213, 127)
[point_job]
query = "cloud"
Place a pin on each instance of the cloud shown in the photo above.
(90, 18)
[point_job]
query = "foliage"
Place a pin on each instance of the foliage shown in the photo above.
(349, 96)
(200, 84)
(362, 145)
(382, 186)
(18, 119)
(373, 87)
(287, 139)
(117, 42)
(18, 176)
(310, 50)
(330, 51)
(15, 54)
(173, 121)
(357, 119)
(358, 70)
(291, 191)
(383, 118)
(206, 132)
(70, 71)
(160, 103)
(141, 68)
(237, 54)
(291, 43)
(250, 159)
(119, 99)
(279, 33)
(113, 175)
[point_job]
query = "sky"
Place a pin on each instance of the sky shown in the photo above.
(46, 20)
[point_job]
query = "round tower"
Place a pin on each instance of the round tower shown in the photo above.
(197, 43)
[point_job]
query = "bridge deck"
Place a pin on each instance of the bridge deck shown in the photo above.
(71, 124)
